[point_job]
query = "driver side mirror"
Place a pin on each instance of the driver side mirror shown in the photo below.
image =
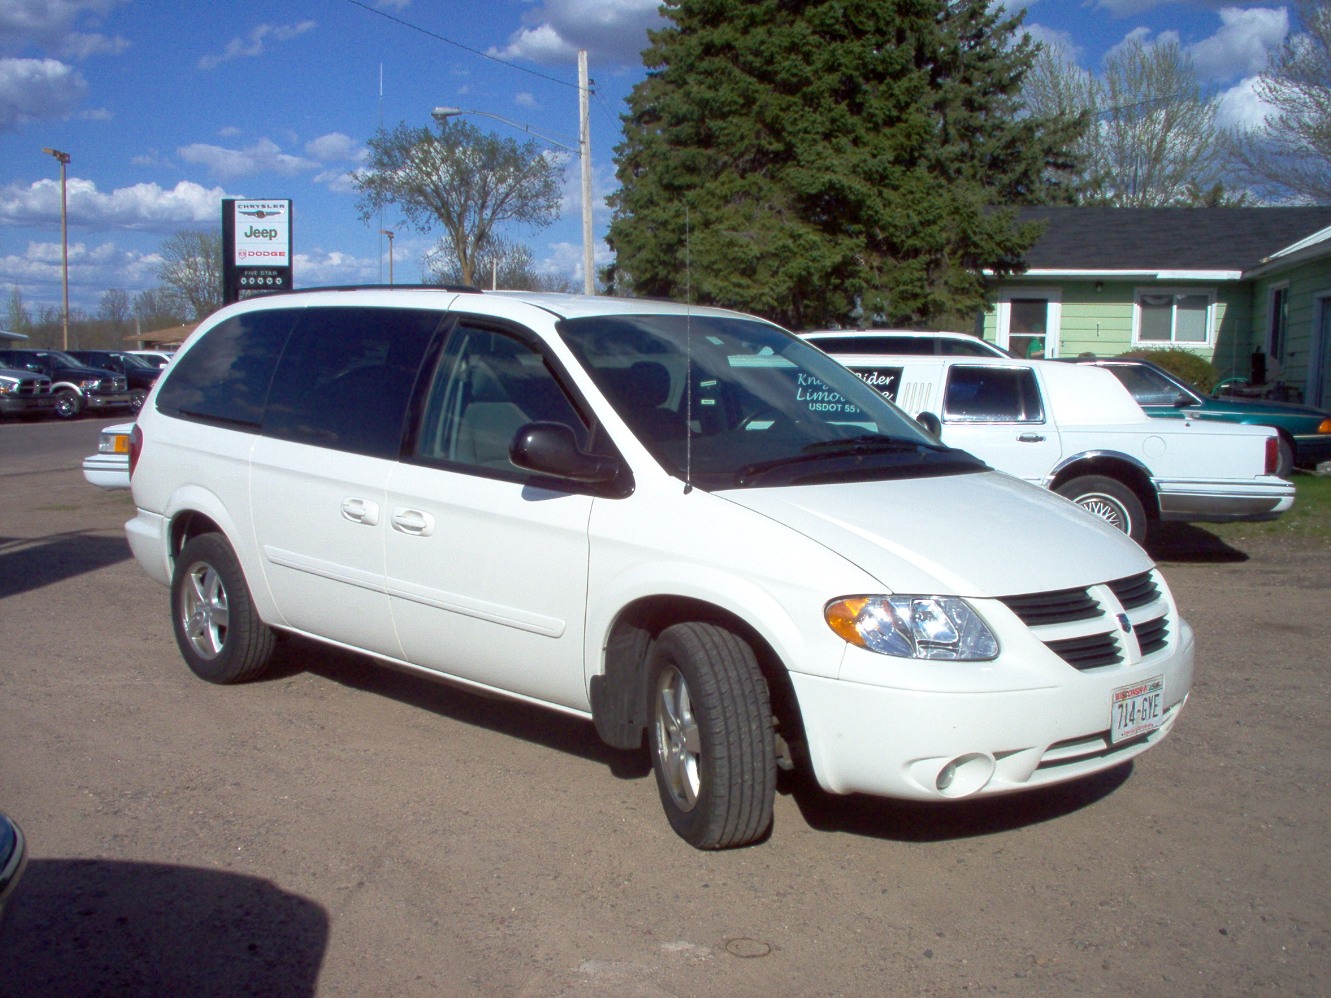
(551, 449)
(931, 423)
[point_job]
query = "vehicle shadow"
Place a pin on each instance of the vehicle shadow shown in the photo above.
(537, 725)
(28, 563)
(914, 821)
(77, 927)
(1184, 542)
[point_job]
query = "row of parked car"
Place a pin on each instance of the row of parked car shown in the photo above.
(68, 383)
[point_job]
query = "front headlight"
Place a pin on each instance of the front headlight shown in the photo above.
(8, 385)
(88, 384)
(936, 627)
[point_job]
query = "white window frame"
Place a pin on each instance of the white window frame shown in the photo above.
(1053, 320)
(1140, 291)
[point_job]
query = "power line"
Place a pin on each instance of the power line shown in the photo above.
(449, 41)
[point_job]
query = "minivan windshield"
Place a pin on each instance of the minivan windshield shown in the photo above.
(727, 402)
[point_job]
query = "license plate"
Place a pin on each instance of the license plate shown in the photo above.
(1137, 709)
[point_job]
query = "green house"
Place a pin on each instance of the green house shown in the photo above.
(1248, 289)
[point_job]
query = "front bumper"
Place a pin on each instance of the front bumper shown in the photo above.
(898, 743)
(26, 405)
(108, 400)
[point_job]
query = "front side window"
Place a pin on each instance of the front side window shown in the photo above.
(1174, 317)
(992, 395)
(487, 385)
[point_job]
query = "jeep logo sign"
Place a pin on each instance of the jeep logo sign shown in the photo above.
(263, 233)
(256, 248)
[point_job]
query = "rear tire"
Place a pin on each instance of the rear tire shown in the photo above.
(711, 733)
(1110, 500)
(217, 629)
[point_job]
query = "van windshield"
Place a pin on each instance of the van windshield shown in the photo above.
(726, 402)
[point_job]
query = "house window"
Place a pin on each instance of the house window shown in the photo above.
(1174, 317)
(1277, 324)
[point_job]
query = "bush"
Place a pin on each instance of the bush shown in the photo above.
(1196, 371)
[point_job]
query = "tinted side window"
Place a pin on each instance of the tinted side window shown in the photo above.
(992, 395)
(346, 378)
(224, 377)
(486, 386)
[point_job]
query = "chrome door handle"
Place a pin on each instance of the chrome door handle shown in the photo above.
(1031, 438)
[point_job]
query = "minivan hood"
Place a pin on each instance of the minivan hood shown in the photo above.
(981, 535)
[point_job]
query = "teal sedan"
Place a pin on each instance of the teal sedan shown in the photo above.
(1305, 431)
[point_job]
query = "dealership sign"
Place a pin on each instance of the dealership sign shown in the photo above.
(256, 248)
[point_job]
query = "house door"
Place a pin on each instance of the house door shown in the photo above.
(1317, 391)
(1028, 322)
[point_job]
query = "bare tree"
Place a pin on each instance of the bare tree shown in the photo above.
(1290, 157)
(1153, 140)
(191, 271)
(498, 264)
(466, 180)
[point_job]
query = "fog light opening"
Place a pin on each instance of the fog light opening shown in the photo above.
(965, 775)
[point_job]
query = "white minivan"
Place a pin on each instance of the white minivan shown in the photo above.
(685, 525)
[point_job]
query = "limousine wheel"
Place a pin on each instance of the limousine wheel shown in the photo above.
(219, 634)
(711, 736)
(1110, 500)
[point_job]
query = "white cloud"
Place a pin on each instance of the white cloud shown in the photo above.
(265, 156)
(612, 31)
(326, 269)
(141, 206)
(1240, 107)
(256, 42)
(49, 24)
(33, 89)
(334, 146)
(1242, 45)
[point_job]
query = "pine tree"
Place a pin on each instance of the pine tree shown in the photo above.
(824, 160)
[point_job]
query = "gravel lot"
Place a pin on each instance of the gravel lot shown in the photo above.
(344, 829)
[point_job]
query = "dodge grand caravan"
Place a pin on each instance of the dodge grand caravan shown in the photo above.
(685, 525)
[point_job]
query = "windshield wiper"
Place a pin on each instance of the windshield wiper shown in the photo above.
(830, 449)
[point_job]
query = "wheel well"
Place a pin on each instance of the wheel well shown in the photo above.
(186, 526)
(619, 695)
(1118, 469)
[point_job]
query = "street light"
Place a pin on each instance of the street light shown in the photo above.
(64, 238)
(389, 234)
(583, 152)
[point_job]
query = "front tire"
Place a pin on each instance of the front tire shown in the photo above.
(217, 629)
(711, 734)
(68, 403)
(137, 396)
(1110, 500)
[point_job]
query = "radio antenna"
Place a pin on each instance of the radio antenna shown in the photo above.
(688, 359)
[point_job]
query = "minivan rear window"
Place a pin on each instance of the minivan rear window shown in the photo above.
(224, 377)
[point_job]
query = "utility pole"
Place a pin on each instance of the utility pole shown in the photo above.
(585, 154)
(64, 240)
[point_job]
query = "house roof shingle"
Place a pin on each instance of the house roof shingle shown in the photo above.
(1115, 239)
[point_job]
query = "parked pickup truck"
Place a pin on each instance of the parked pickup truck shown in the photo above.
(1077, 430)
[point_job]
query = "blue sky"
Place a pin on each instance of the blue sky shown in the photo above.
(168, 106)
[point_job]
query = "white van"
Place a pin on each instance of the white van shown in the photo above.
(685, 525)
